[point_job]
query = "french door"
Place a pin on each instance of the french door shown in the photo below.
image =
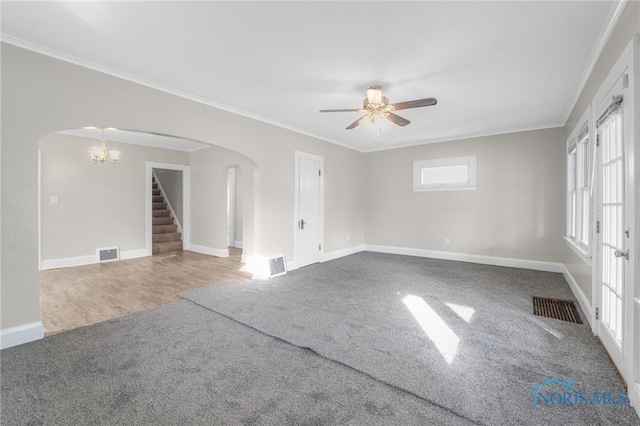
(613, 254)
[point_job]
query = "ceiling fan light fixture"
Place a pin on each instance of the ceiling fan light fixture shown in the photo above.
(374, 95)
(375, 122)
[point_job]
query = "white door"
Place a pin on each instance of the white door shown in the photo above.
(612, 254)
(309, 221)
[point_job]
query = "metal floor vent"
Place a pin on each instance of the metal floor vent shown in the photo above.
(563, 310)
(277, 266)
(108, 254)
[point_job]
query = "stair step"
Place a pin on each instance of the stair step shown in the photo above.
(155, 192)
(163, 238)
(168, 246)
(159, 206)
(162, 229)
(162, 220)
(154, 186)
(160, 213)
(158, 199)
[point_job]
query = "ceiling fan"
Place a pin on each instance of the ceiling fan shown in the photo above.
(377, 107)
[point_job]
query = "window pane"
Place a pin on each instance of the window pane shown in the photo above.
(444, 175)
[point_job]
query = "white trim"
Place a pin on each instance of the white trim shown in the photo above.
(150, 165)
(603, 38)
(342, 253)
(296, 205)
(582, 254)
(635, 396)
(587, 308)
(39, 209)
(208, 250)
(133, 254)
(67, 262)
(535, 265)
(231, 205)
(21, 334)
(237, 244)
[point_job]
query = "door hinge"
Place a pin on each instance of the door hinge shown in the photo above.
(319, 246)
(598, 139)
(625, 81)
(319, 172)
(597, 227)
(597, 313)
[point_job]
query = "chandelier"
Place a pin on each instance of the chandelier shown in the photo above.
(99, 154)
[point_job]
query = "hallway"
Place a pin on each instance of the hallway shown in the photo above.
(83, 295)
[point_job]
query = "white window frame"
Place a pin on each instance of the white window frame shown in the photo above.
(468, 161)
(579, 202)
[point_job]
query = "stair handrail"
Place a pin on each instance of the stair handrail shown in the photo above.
(171, 211)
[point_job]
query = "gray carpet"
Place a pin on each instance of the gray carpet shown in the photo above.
(328, 344)
(351, 310)
(181, 364)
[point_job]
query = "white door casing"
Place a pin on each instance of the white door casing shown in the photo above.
(150, 165)
(308, 209)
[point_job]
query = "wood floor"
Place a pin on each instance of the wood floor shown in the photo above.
(83, 295)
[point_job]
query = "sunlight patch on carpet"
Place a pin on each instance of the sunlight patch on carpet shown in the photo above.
(445, 340)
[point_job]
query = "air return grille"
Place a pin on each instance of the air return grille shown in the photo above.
(108, 254)
(277, 266)
(563, 310)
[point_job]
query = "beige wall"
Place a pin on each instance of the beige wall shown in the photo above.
(627, 27)
(99, 205)
(516, 212)
(42, 95)
(209, 193)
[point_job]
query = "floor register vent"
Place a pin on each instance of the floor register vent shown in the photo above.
(108, 254)
(277, 266)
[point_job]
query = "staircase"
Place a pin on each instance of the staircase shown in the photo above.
(165, 231)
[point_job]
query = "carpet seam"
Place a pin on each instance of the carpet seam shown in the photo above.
(390, 385)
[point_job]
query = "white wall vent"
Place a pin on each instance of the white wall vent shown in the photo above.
(108, 254)
(277, 266)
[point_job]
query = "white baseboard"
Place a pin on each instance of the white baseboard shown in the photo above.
(208, 250)
(21, 334)
(635, 396)
(237, 244)
(582, 298)
(133, 254)
(67, 262)
(472, 258)
(342, 253)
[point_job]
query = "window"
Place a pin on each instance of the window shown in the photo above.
(445, 174)
(579, 183)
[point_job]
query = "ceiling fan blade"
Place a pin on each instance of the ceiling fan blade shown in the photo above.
(397, 119)
(340, 110)
(415, 104)
(355, 123)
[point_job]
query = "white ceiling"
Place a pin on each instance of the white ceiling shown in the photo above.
(495, 67)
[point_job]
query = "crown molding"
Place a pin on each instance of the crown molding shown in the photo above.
(603, 38)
